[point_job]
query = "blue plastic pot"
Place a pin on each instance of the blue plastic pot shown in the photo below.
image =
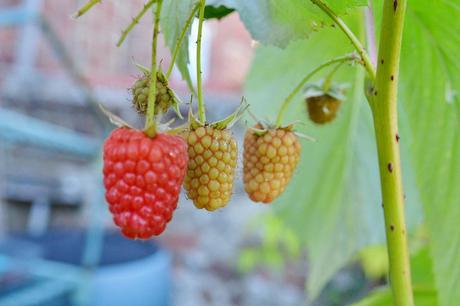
(129, 273)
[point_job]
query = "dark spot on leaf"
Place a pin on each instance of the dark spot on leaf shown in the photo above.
(390, 167)
(392, 227)
(382, 204)
(395, 5)
(397, 137)
(375, 93)
(382, 61)
(392, 77)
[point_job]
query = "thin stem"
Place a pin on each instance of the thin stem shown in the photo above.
(201, 108)
(299, 86)
(351, 36)
(135, 21)
(86, 7)
(150, 126)
(181, 38)
(328, 80)
(384, 110)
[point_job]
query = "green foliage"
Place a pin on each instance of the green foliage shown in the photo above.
(374, 260)
(423, 297)
(279, 245)
(173, 18)
(278, 22)
(430, 115)
(422, 277)
(216, 12)
(430, 138)
(333, 203)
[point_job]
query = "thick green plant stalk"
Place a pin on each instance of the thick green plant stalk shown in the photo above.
(384, 108)
(150, 126)
(383, 101)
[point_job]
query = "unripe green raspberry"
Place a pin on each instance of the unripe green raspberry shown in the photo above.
(140, 91)
(322, 109)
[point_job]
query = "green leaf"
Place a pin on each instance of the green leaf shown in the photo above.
(430, 116)
(374, 261)
(422, 276)
(216, 12)
(173, 18)
(278, 22)
(423, 297)
(422, 268)
(333, 202)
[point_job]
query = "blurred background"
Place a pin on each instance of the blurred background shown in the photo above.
(58, 245)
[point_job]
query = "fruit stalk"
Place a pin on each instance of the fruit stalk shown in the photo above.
(328, 80)
(367, 63)
(201, 109)
(135, 21)
(299, 86)
(181, 38)
(150, 126)
(384, 109)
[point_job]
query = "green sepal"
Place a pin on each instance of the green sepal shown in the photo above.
(266, 126)
(166, 127)
(176, 100)
(336, 91)
(229, 121)
(114, 119)
(142, 68)
(193, 121)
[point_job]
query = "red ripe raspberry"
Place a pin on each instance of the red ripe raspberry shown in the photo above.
(143, 178)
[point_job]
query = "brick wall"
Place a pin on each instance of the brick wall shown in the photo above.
(91, 41)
